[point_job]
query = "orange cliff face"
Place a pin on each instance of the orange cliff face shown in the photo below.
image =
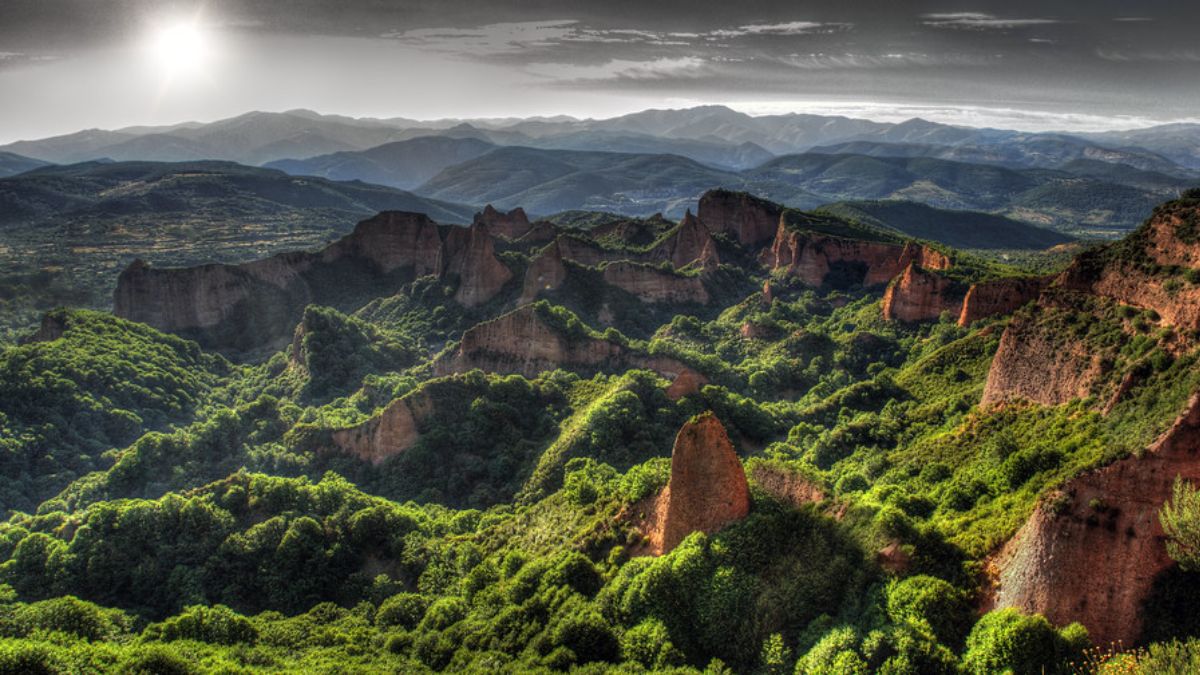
(256, 305)
(545, 272)
(651, 284)
(1091, 552)
(819, 258)
(920, 295)
(525, 343)
(1034, 362)
(707, 489)
(389, 433)
(999, 296)
(747, 218)
(471, 256)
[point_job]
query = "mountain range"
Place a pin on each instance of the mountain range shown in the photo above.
(715, 135)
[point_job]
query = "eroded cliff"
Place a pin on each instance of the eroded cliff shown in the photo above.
(707, 489)
(1091, 551)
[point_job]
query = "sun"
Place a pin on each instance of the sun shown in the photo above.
(180, 49)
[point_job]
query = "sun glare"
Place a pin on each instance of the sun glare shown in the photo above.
(180, 49)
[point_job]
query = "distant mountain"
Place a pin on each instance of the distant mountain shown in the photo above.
(714, 135)
(1178, 142)
(960, 229)
(1072, 203)
(402, 164)
(253, 138)
(12, 164)
(1017, 151)
(136, 189)
(717, 154)
(549, 181)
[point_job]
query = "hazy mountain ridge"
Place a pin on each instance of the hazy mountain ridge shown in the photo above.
(722, 134)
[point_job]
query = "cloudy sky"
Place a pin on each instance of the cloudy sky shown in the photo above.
(1088, 64)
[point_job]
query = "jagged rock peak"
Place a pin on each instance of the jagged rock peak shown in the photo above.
(1091, 552)
(509, 225)
(919, 295)
(707, 489)
(752, 220)
(546, 272)
(471, 255)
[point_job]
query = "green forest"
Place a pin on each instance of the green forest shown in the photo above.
(170, 508)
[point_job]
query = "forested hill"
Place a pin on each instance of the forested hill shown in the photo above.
(751, 439)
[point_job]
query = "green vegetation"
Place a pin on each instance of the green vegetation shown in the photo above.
(345, 505)
(1180, 520)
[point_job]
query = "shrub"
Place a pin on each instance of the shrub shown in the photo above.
(216, 625)
(1007, 640)
(1180, 518)
(588, 636)
(650, 644)
(931, 602)
(71, 615)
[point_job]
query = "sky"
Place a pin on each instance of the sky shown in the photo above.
(67, 65)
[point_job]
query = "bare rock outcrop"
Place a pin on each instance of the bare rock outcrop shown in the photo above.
(787, 485)
(920, 295)
(1091, 552)
(690, 243)
(749, 219)
(1035, 363)
(818, 258)
(471, 256)
(255, 305)
(707, 489)
(546, 272)
(687, 383)
(526, 341)
(512, 225)
(389, 433)
(392, 240)
(999, 296)
(652, 284)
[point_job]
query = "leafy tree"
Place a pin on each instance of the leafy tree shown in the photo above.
(1180, 518)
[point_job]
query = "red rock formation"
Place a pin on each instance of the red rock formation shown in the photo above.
(389, 433)
(261, 299)
(919, 295)
(545, 273)
(687, 383)
(999, 296)
(393, 240)
(707, 489)
(1035, 363)
(688, 243)
(893, 558)
(651, 284)
(749, 219)
(511, 225)
(471, 257)
(1091, 552)
(525, 342)
(813, 256)
(255, 305)
(788, 486)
